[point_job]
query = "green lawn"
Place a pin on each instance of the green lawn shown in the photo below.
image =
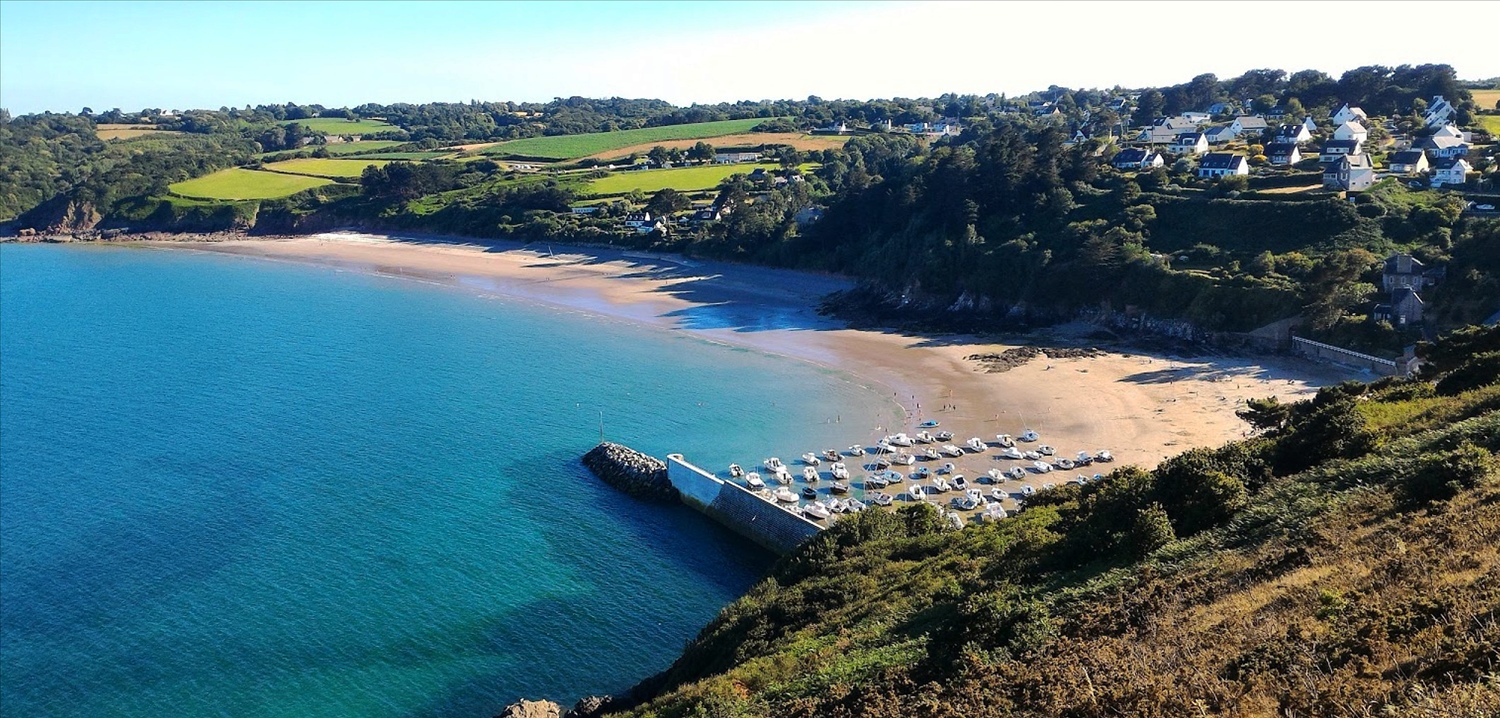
(567, 147)
(245, 184)
(317, 167)
(682, 179)
(1490, 123)
(408, 155)
(349, 148)
(341, 126)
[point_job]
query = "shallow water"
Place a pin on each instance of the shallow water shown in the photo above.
(238, 487)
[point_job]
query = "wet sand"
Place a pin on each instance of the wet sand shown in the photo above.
(1142, 407)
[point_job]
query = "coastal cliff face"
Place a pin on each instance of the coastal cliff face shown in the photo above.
(632, 472)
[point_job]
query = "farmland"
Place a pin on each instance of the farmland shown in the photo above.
(245, 184)
(1491, 123)
(407, 155)
(567, 147)
(753, 139)
(341, 126)
(340, 169)
(684, 179)
(349, 148)
(128, 132)
(1486, 99)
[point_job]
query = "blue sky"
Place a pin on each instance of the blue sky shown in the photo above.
(65, 55)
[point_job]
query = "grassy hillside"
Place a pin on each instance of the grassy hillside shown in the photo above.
(339, 169)
(567, 147)
(1342, 564)
(682, 179)
(236, 184)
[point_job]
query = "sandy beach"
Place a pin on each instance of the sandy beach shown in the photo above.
(1142, 407)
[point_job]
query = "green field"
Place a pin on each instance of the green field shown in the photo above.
(349, 148)
(343, 169)
(682, 179)
(245, 184)
(1490, 123)
(341, 126)
(567, 147)
(408, 155)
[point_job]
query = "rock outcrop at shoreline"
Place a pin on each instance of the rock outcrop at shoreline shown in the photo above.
(628, 470)
(588, 707)
(1012, 358)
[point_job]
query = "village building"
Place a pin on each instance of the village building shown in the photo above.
(1439, 112)
(730, 158)
(1334, 149)
(1191, 143)
(1409, 162)
(1283, 153)
(1351, 173)
(1137, 159)
(1219, 164)
(1348, 114)
(1197, 118)
(1450, 171)
(1293, 133)
(1404, 270)
(1248, 123)
(1351, 131)
(1446, 142)
(1220, 135)
(1405, 308)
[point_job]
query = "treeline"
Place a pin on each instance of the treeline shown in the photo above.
(1340, 560)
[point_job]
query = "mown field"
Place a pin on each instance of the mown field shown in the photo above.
(317, 167)
(568, 147)
(797, 140)
(1490, 123)
(246, 184)
(341, 126)
(1486, 99)
(407, 155)
(127, 132)
(349, 148)
(682, 179)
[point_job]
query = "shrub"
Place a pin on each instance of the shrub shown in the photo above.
(1151, 530)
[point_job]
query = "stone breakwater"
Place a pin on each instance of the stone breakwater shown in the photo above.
(632, 472)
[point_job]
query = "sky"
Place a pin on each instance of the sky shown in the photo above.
(63, 56)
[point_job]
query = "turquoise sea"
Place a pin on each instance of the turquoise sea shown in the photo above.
(235, 487)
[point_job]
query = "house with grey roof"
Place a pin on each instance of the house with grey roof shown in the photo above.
(1408, 162)
(1219, 164)
(1351, 173)
(1191, 143)
(1283, 153)
(1334, 149)
(1450, 171)
(1137, 159)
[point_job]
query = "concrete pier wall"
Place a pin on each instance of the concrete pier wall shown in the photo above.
(736, 507)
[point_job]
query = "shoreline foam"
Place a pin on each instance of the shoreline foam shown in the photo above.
(1142, 407)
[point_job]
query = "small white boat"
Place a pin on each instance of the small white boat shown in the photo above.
(856, 450)
(1030, 436)
(839, 471)
(1084, 458)
(951, 450)
(880, 462)
(1031, 455)
(1066, 463)
(1005, 440)
(773, 463)
(998, 495)
(735, 471)
(976, 445)
(1079, 480)
(853, 505)
(905, 459)
(960, 483)
(831, 454)
(784, 476)
(785, 495)
(941, 484)
(943, 436)
(930, 453)
(766, 495)
(1041, 467)
(924, 437)
(894, 477)
(839, 487)
(811, 459)
(816, 511)
(881, 499)
(1104, 456)
(995, 475)
(916, 492)
(875, 482)
(1027, 491)
(754, 481)
(1012, 453)
(966, 503)
(921, 473)
(900, 440)
(1016, 473)
(809, 474)
(1045, 450)
(956, 521)
(994, 512)
(975, 494)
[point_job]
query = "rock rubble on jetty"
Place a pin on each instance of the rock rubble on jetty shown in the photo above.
(630, 471)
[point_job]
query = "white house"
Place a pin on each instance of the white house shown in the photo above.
(1283, 153)
(1248, 123)
(730, 158)
(637, 220)
(1450, 171)
(1219, 164)
(1220, 135)
(1197, 118)
(1191, 143)
(1439, 111)
(1351, 130)
(1409, 162)
(1348, 114)
(1442, 145)
(1137, 159)
(1352, 173)
(1334, 149)
(1295, 134)
(1308, 123)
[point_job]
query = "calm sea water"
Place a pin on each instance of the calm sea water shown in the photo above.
(231, 487)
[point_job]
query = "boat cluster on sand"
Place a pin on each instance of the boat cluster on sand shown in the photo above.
(903, 467)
